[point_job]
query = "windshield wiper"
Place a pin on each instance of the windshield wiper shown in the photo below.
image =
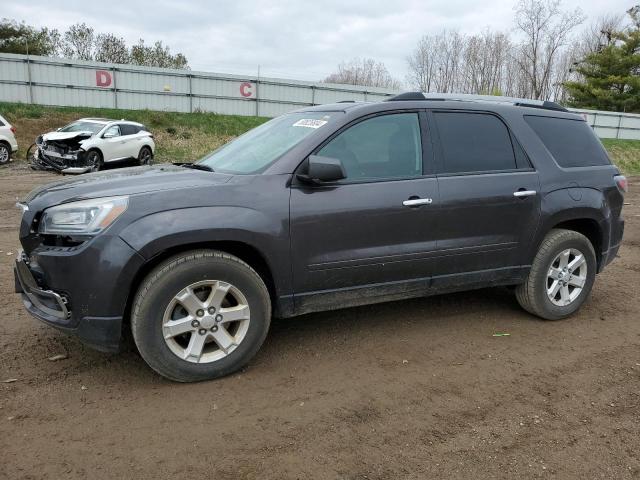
(196, 166)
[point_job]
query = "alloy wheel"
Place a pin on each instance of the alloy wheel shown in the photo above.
(206, 321)
(4, 154)
(566, 277)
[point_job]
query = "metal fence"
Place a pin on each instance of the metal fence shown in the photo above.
(55, 81)
(612, 124)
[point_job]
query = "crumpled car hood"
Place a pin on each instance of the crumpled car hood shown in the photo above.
(60, 136)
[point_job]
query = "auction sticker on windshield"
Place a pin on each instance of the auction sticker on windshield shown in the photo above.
(309, 123)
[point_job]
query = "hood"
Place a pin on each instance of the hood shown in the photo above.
(60, 136)
(123, 181)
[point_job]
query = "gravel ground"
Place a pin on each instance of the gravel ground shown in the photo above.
(415, 389)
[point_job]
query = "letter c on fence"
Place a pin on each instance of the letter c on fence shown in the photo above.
(246, 89)
(103, 78)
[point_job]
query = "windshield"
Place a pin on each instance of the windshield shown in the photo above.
(82, 127)
(258, 148)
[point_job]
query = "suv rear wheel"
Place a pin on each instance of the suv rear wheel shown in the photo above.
(145, 156)
(200, 315)
(561, 276)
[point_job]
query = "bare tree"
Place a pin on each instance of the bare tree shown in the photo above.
(546, 30)
(422, 64)
(364, 71)
(485, 63)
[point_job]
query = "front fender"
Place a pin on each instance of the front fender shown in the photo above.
(156, 233)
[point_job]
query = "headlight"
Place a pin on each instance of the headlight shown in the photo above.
(87, 217)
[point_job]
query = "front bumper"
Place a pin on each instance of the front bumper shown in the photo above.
(76, 291)
(67, 163)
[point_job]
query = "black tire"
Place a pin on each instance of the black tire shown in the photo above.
(94, 160)
(5, 153)
(532, 294)
(170, 277)
(145, 156)
(31, 152)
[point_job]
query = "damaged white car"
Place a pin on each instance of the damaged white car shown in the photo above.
(86, 145)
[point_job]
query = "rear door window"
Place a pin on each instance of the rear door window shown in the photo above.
(572, 143)
(474, 142)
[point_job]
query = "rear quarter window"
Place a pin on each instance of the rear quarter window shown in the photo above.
(128, 129)
(572, 143)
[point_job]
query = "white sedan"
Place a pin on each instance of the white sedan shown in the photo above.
(89, 143)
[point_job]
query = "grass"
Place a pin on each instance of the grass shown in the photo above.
(625, 154)
(179, 137)
(185, 137)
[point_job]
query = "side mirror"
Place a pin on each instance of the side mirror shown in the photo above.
(109, 135)
(322, 169)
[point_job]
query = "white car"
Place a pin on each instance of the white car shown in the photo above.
(8, 143)
(89, 143)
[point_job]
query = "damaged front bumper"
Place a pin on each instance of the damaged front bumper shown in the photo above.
(53, 160)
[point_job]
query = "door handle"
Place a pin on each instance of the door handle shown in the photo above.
(416, 202)
(524, 193)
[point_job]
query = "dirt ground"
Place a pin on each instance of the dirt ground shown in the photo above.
(416, 389)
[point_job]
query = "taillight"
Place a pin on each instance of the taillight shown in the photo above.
(622, 183)
(13, 130)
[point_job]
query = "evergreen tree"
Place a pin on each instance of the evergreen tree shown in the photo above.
(611, 75)
(21, 38)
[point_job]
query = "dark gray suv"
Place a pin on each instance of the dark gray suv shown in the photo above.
(323, 208)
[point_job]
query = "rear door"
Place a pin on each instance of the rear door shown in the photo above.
(132, 140)
(378, 226)
(489, 196)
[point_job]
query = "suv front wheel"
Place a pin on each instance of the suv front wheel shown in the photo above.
(200, 315)
(561, 276)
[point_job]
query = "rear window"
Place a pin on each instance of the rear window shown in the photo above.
(128, 129)
(572, 143)
(474, 142)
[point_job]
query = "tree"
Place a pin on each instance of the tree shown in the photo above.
(157, 56)
(79, 42)
(82, 42)
(366, 72)
(610, 77)
(22, 39)
(546, 30)
(111, 49)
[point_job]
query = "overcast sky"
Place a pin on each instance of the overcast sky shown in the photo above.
(291, 39)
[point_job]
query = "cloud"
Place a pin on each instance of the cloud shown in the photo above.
(295, 39)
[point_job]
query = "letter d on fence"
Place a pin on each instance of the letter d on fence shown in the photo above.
(103, 78)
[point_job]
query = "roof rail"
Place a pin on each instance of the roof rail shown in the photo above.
(464, 97)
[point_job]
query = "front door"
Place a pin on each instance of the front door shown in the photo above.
(371, 232)
(113, 147)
